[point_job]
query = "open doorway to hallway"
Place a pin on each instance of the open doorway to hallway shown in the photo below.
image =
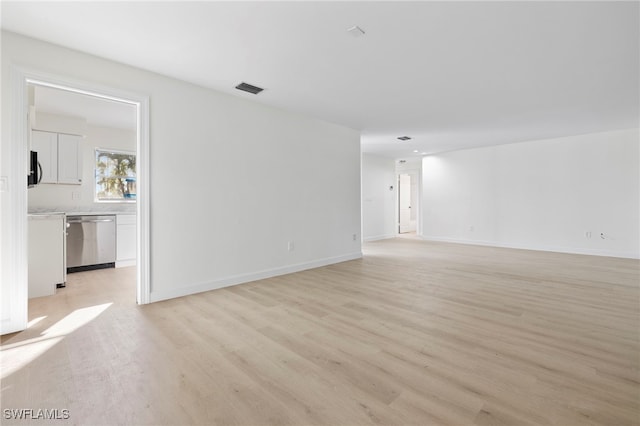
(408, 208)
(406, 211)
(408, 202)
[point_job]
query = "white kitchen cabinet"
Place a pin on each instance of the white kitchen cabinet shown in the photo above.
(46, 145)
(69, 159)
(47, 267)
(59, 155)
(125, 240)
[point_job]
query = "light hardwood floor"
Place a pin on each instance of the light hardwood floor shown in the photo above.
(415, 333)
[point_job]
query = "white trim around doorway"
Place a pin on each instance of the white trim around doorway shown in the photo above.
(16, 270)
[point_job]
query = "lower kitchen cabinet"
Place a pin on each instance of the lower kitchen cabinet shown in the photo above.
(46, 253)
(126, 240)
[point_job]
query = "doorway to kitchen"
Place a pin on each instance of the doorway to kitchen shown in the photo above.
(24, 82)
(85, 148)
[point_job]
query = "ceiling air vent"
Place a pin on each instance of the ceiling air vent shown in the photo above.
(404, 138)
(246, 87)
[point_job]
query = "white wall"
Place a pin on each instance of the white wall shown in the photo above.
(379, 204)
(80, 198)
(542, 195)
(232, 181)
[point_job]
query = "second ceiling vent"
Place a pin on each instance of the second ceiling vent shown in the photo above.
(246, 87)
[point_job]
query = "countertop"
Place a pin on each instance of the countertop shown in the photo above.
(39, 212)
(45, 214)
(98, 213)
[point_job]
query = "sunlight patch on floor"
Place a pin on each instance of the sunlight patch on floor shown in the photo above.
(16, 356)
(34, 322)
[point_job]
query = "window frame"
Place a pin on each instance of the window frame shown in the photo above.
(96, 176)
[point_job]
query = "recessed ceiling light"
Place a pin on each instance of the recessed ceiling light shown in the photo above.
(246, 87)
(404, 138)
(415, 150)
(356, 31)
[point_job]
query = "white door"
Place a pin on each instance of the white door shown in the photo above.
(404, 185)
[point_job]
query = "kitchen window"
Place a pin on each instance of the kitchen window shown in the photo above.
(115, 176)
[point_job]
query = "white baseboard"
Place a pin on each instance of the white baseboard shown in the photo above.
(157, 296)
(125, 263)
(379, 237)
(556, 249)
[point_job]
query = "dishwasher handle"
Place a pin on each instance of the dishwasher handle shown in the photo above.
(89, 220)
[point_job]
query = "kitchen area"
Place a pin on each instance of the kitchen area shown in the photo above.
(82, 187)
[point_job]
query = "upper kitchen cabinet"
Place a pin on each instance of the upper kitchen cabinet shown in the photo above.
(69, 159)
(59, 155)
(46, 145)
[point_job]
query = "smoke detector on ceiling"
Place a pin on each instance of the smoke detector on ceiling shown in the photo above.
(246, 87)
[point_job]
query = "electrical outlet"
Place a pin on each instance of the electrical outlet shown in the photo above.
(588, 235)
(75, 195)
(355, 236)
(290, 246)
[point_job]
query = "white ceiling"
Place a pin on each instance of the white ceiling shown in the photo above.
(96, 111)
(449, 74)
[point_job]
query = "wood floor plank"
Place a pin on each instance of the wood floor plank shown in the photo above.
(415, 333)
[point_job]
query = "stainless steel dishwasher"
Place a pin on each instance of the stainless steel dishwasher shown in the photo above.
(91, 242)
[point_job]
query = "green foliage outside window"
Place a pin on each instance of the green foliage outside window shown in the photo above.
(115, 176)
